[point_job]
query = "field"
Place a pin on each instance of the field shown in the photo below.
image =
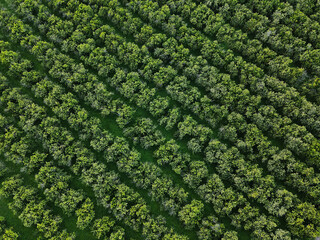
(160, 120)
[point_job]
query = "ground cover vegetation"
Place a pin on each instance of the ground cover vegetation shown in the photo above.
(160, 120)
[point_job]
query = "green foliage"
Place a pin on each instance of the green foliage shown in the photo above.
(85, 214)
(9, 234)
(192, 213)
(101, 227)
(232, 235)
(162, 113)
(303, 220)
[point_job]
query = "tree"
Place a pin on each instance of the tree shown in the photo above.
(304, 220)
(9, 234)
(191, 214)
(198, 171)
(281, 202)
(210, 228)
(195, 145)
(85, 214)
(118, 234)
(32, 213)
(158, 106)
(153, 228)
(49, 225)
(173, 116)
(230, 235)
(10, 186)
(36, 160)
(69, 200)
(281, 234)
(102, 226)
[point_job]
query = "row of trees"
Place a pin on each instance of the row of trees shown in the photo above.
(161, 188)
(64, 104)
(164, 51)
(248, 73)
(126, 24)
(126, 163)
(21, 147)
(277, 125)
(66, 107)
(212, 50)
(229, 132)
(279, 37)
(32, 209)
(182, 213)
(293, 13)
(287, 131)
(108, 189)
(276, 120)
